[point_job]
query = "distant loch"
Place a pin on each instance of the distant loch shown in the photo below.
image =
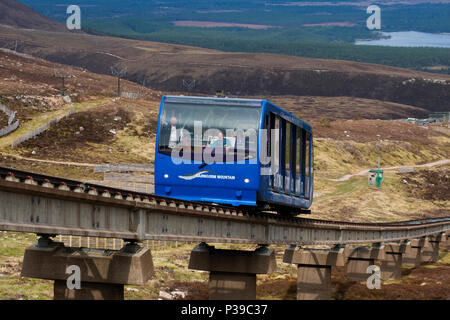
(410, 39)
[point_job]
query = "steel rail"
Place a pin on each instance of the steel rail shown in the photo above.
(44, 204)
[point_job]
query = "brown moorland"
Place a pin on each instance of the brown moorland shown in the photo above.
(172, 67)
(16, 14)
(30, 88)
(313, 108)
(367, 131)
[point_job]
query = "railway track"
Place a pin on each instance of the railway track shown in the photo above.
(37, 203)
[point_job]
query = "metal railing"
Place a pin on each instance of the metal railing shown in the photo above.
(9, 129)
(114, 244)
(11, 126)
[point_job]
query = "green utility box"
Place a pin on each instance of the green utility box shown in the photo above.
(375, 177)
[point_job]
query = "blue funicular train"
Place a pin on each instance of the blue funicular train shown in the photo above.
(237, 152)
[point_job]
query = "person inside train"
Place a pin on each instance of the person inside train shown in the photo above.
(170, 133)
(221, 142)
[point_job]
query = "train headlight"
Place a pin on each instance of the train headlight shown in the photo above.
(246, 180)
(166, 176)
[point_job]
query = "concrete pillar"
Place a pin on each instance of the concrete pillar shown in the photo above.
(314, 270)
(360, 258)
(447, 242)
(412, 255)
(103, 273)
(232, 286)
(88, 291)
(391, 265)
(232, 272)
(430, 251)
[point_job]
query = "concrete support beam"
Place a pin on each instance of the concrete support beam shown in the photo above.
(421, 242)
(437, 237)
(232, 272)
(360, 258)
(391, 265)
(103, 273)
(314, 270)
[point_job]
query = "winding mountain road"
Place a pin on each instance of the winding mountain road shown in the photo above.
(366, 171)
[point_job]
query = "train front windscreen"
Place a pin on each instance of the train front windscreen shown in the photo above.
(192, 126)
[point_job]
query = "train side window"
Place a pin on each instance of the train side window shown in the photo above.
(268, 125)
(287, 157)
(298, 158)
(276, 153)
(312, 158)
(282, 147)
(283, 143)
(307, 164)
(302, 164)
(288, 147)
(308, 154)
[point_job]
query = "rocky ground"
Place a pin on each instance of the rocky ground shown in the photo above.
(173, 280)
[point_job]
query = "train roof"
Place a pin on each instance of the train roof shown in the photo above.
(214, 100)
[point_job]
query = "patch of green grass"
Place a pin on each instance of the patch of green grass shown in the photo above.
(343, 188)
(444, 257)
(13, 244)
(11, 251)
(16, 287)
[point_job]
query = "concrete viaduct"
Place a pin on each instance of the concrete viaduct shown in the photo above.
(50, 206)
